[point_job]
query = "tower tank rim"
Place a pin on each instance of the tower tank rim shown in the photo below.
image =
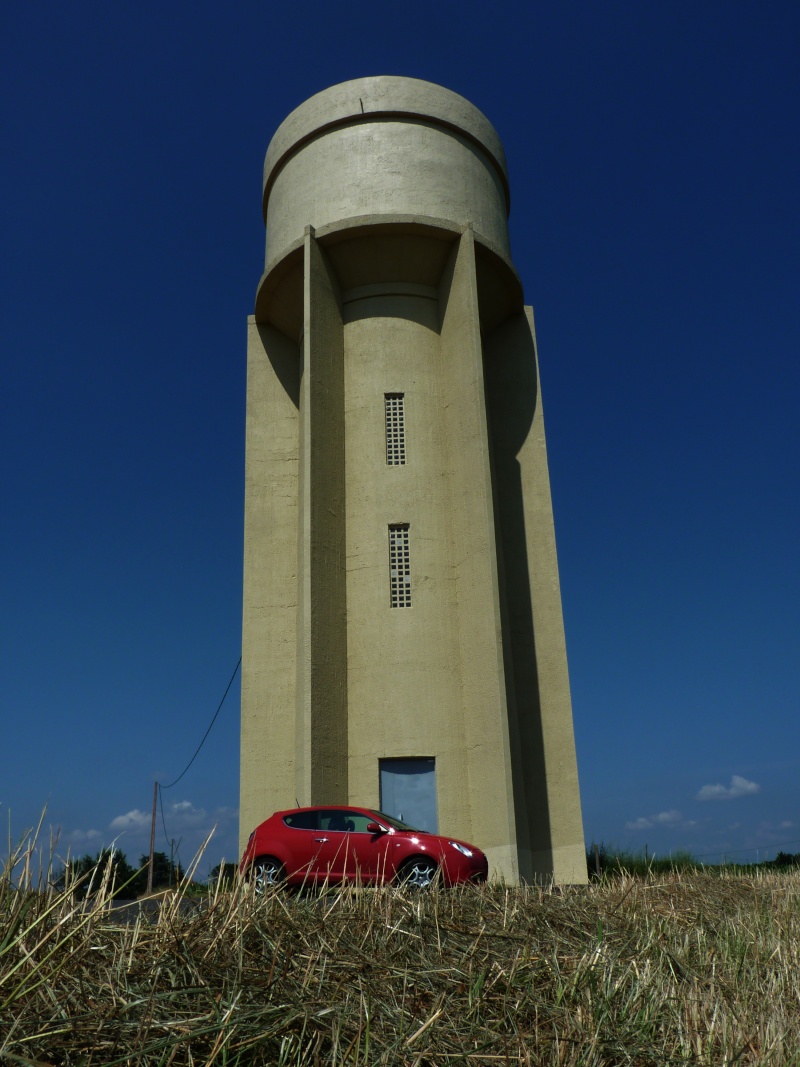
(384, 97)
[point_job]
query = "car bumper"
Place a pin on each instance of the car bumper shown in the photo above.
(465, 869)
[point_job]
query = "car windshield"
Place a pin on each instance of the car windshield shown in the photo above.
(396, 822)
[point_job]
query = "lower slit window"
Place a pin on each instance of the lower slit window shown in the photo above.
(399, 566)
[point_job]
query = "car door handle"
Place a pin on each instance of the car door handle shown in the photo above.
(320, 839)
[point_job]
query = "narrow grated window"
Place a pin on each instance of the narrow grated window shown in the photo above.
(399, 567)
(395, 429)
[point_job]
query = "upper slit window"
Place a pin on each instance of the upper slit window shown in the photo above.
(394, 406)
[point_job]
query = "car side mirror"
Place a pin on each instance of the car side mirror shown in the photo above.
(375, 828)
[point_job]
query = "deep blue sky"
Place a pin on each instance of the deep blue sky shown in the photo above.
(655, 173)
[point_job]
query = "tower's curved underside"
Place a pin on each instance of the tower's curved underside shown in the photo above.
(402, 615)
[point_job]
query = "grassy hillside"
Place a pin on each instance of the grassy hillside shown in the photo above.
(673, 968)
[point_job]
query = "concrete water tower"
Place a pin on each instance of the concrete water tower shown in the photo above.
(403, 643)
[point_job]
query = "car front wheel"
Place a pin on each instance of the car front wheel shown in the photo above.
(265, 873)
(418, 873)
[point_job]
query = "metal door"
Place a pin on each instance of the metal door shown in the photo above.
(408, 791)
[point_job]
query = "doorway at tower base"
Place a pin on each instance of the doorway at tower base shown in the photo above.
(408, 792)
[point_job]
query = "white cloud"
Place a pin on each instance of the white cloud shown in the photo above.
(667, 818)
(187, 826)
(183, 815)
(739, 787)
(182, 812)
(179, 815)
(179, 821)
(77, 839)
(663, 818)
(638, 824)
(786, 825)
(131, 820)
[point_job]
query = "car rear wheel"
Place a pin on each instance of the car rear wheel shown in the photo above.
(418, 873)
(265, 873)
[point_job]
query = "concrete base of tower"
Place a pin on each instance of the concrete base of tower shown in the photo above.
(558, 866)
(563, 866)
(503, 864)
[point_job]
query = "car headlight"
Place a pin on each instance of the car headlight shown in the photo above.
(461, 848)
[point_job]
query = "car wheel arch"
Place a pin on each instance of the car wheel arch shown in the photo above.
(266, 869)
(410, 870)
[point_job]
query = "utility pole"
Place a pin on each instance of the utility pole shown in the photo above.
(152, 841)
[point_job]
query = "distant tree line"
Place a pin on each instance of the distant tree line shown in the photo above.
(786, 859)
(224, 873)
(86, 874)
(602, 859)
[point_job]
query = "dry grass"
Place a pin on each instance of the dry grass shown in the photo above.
(674, 969)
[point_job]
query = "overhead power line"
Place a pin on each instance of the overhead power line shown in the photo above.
(208, 731)
(739, 851)
(159, 789)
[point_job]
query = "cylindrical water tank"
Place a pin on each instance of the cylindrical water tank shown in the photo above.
(385, 150)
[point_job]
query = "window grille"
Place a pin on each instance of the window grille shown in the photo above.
(399, 567)
(394, 404)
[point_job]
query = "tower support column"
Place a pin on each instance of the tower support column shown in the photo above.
(321, 715)
(269, 645)
(547, 792)
(484, 693)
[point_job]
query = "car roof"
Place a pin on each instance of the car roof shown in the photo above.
(324, 807)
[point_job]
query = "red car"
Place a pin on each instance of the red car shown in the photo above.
(307, 846)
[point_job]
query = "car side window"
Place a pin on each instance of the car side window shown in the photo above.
(344, 821)
(334, 820)
(359, 822)
(302, 820)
